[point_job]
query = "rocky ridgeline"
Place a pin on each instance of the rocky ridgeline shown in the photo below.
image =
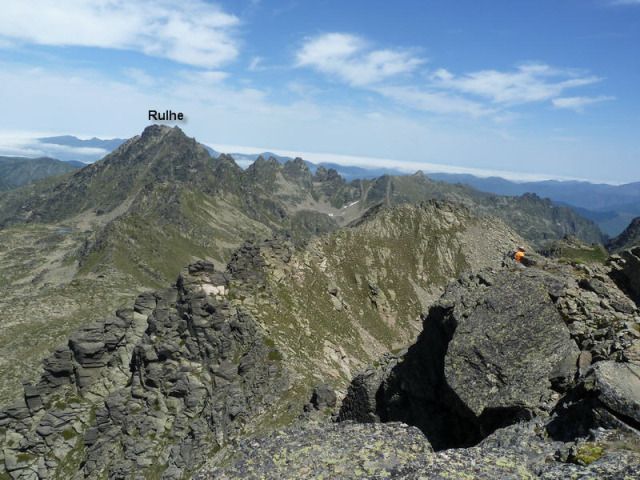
(151, 392)
(518, 373)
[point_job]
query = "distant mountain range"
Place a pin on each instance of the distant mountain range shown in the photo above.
(71, 141)
(18, 171)
(611, 207)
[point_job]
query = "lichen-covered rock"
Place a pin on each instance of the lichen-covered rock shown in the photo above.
(317, 450)
(508, 343)
(396, 451)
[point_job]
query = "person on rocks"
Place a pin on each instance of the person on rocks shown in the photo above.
(518, 256)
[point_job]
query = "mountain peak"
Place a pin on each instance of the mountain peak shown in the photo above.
(155, 130)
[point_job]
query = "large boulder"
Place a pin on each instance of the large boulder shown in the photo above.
(618, 388)
(508, 345)
(494, 350)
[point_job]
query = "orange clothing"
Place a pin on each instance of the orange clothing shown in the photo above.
(518, 256)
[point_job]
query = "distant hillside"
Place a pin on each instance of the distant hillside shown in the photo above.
(612, 207)
(18, 171)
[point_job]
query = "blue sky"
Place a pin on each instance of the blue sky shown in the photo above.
(538, 89)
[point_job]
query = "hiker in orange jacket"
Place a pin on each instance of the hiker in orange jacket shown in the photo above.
(519, 255)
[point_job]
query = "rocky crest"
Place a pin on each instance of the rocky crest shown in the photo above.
(498, 348)
(151, 391)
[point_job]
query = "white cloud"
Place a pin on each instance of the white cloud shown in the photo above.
(578, 103)
(349, 58)
(526, 84)
(26, 144)
(435, 102)
(255, 64)
(192, 32)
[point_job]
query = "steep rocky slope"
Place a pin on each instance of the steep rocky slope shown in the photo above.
(156, 388)
(353, 294)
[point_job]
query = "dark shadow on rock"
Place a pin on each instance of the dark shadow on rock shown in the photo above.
(416, 392)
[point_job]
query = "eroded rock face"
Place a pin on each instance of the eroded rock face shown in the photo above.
(152, 391)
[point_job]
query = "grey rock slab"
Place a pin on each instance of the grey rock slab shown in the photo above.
(618, 386)
(507, 346)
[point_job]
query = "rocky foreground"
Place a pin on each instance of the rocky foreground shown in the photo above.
(518, 373)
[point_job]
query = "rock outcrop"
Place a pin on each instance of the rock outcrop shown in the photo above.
(502, 347)
(501, 373)
(316, 450)
(626, 271)
(150, 392)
